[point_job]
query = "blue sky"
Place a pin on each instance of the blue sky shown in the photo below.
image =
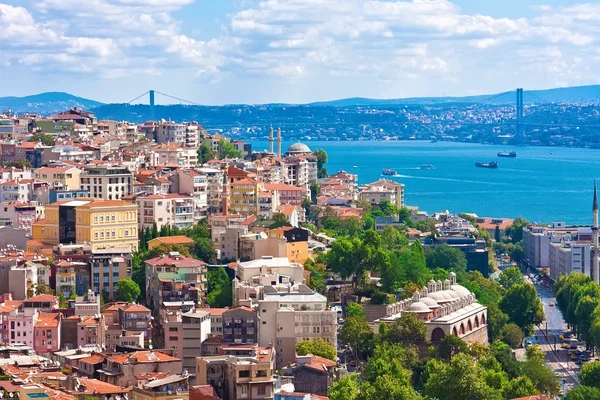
(259, 51)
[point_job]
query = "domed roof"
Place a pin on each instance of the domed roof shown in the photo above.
(452, 294)
(431, 303)
(298, 148)
(461, 290)
(419, 307)
(439, 296)
(452, 273)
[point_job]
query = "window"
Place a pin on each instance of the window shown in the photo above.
(261, 389)
(244, 374)
(95, 235)
(101, 218)
(244, 389)
(101, 235)
(113, 218)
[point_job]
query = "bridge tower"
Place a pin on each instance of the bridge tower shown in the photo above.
(151, 93)
(519, 135)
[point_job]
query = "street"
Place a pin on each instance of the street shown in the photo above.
(548, 338)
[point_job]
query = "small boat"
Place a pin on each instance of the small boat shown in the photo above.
(491, 164)
(427, 166)
(512, 154)
(389, 171)
(355, 166)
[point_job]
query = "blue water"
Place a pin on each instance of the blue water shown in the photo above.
(543, 184)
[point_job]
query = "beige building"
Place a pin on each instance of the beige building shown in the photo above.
(68, 177)
(171, 387)
(107, 181)
(383, 189)
(173, 154)
(246, 375)
(291, 316)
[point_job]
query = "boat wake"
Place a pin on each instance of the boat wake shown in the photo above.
(432, 178)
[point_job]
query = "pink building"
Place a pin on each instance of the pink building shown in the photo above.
(47, 333)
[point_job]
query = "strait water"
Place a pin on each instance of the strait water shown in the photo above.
(543, 184)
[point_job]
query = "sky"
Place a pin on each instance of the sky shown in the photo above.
(295, 51)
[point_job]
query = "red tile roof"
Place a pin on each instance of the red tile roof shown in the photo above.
(143, 357)
(173, 240)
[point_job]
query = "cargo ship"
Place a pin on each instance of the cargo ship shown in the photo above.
(389, 171)
(512, 154)
(491, 164)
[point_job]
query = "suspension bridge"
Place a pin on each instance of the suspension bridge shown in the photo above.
(516, 98)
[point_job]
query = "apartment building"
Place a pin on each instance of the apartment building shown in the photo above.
(67, 177)
(246, 375)
(173, 154)
(107, 266)
(121, 370)
(196, 329)
(240, 325)
(127, 319)
(215, 179)
(291, 316)
(107, 181)
(165, 210)
(566, 257)
(383, 189)
(243, 198)
(102, 223)
(46, 332)
(171, 387)
(195, 184)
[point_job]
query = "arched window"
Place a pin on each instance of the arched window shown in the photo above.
(437, 335)
(476, 321)
(462, 328)
(482, 319)
(454, 331)
(469, 326)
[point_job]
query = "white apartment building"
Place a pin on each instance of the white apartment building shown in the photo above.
(536, 245)
(165, 209)
(567, 257)
(170, 132)
(107, 181)
(195, 184)
(215, 180)
(173, 154)
(291, 316)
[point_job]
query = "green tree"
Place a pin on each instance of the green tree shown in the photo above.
(219, 290)
(72, 293)
(205, 154)
(356, 332)
(41, 288)
(391, 238)
(516, 252)
(583, 393)
(127, 290)
(407, 329)
(316, 347)
(281, 218)
(315, 190)
(318, 275)
(520, 387)
(590, 374)
(20, 163)
(388, 209)
(523, 307)
(228, 150)
(62, 300)
(354, 310)
(138, 273)
(154, 231)
(515, 231)
(166, 248)
(426, 225)
(321, 161)
(346, 388)
(449, 258)
(497, 236)
(450, 346)
(510, 277)
(459, 379)
(46, 140)
(513, 335)
(540, 374)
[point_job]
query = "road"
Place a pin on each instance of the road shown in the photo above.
(549, 340)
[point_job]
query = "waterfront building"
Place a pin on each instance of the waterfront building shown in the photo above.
(383, 189)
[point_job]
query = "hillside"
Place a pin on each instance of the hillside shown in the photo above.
(46, 103)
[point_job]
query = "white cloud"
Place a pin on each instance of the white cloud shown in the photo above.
(380, 43)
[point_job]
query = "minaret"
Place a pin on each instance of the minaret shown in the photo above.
(278, 142)
(595, 249)
(271, 139)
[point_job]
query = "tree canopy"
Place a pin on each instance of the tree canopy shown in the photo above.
(446, 257)
(127, 290)
(46, 140)
(316, 347)
(523, 306)
(511, 276)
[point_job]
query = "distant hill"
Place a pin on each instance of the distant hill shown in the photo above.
(573, 94)
(46, 103)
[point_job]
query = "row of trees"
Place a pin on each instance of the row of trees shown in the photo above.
(455, 370)
(225, 149)
(579, 299)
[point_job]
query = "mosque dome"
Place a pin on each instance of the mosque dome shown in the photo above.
(431, 303)
(298, 148)
(419, 307)
(439, 296)
(461, 290)
(452, 294)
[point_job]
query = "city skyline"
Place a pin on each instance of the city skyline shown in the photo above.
(293, 51)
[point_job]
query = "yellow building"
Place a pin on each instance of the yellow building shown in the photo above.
(102, 223)
(243, 197)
